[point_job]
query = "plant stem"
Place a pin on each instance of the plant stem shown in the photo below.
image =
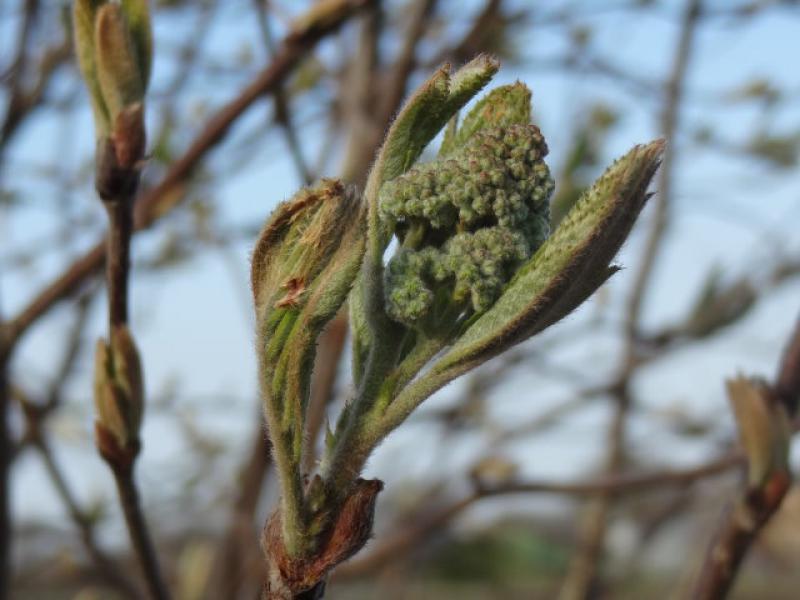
(137, 527)
(120, 220)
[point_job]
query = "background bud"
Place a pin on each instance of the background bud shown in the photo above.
(118, 392)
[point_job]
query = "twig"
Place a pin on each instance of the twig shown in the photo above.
(120, 225)
(670, 117)
(787, 382)
(283, 115)
(406, 60)
(10, 119)
(139, 532)
(160, 199)
(5, 463)
(121, 461)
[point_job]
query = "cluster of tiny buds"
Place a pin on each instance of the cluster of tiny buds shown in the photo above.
(465, 223)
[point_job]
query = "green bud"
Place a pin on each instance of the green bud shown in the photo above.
(465, 224)
(567, 268)
(118, 394)
(113, 44)
(137, 13)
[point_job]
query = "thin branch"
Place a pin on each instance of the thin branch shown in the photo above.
(787, 382)
(120, 228)
(283, 115)
(670, 119)
(10, 118)
(139, 532)
(395, 87)
(238, 551)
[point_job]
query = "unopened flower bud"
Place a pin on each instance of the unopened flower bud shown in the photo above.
(465, 223)
(118, 394)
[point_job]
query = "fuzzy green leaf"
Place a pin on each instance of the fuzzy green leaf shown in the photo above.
(502, 107)
(569, 266)
(304, 264)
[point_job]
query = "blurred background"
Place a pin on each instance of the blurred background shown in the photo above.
(591, 462)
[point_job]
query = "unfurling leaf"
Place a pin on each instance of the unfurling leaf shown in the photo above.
(422, 117)
(118, 69)
(565, 271)
(304, 264)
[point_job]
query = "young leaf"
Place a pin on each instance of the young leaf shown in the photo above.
(422, 117)
(304, 264)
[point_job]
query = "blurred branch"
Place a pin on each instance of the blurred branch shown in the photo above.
(283, 115)
(787, 382)
(395, 87)
(416, 528)
(12, 117)
(582, 577)
(157, 201)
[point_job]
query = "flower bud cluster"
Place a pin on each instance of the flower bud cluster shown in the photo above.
(466, 223)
